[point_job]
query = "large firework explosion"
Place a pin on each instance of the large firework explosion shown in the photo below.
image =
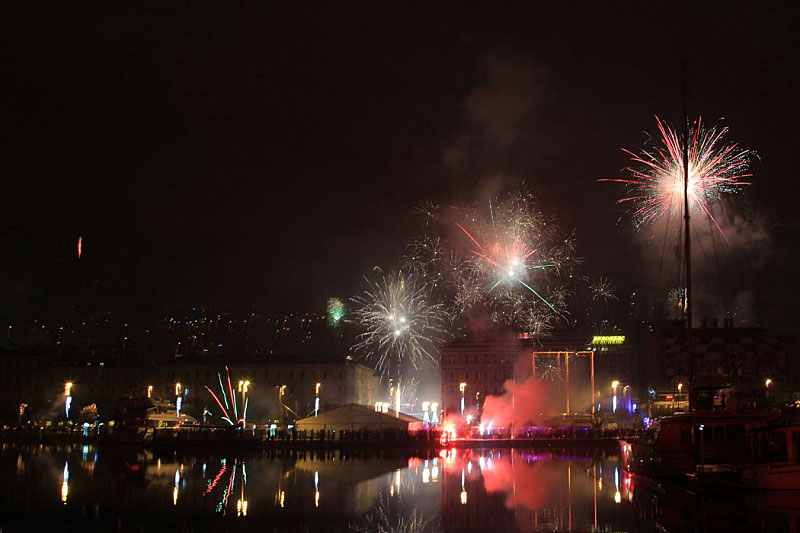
(504, 259)
(656, 182)
(399, 324)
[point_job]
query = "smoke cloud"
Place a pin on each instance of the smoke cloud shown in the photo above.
(522, 403)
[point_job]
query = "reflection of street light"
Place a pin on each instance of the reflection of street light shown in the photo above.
(243, 387)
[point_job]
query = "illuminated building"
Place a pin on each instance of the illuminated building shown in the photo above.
(484, 360)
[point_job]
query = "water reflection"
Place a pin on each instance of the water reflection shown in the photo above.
(131, 489)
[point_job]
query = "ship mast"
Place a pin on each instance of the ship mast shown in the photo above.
(687, 236)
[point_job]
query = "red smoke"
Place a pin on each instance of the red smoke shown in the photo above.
(522, 403)
(524, 484)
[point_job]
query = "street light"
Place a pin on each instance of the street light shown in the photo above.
(178, 400)
(243, 387)
(680, 388)
(316, 398)
(767, 383)
(281, 390)
(462, 387)
(614, 385)
(67, 397)
(149, 391)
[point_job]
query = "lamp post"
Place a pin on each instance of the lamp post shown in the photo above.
(281, 390)
(767, 383)
(178, 400)
(614, 385)
(316, 398)
(149, 391)
(462, 387)
(680, 388)
(243, 388)
(67, 397)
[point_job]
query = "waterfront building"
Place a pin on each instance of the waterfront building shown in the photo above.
(282, 388)
(481, 362)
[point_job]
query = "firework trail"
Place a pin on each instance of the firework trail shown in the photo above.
(225, 415)
(399, 323)
(656, 182)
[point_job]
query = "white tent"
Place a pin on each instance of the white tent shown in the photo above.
(354, 417)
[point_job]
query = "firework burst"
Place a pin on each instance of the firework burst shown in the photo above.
(603, 290)
(656, 182)
(515, 260)
(399, 323)
(336, 311)
(547, 371)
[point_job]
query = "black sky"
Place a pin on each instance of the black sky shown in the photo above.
(228, 156)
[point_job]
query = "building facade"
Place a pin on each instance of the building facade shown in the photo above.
(481, 362)
(280, 388)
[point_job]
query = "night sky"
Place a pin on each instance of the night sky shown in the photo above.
(271, 156)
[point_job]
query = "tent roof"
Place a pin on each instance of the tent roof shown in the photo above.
(355, 415)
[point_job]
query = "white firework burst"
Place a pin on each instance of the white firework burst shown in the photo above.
(398, 323)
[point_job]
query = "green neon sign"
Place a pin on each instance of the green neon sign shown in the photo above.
(608, 339)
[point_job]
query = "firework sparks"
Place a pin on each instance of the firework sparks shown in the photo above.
(603, 290)
(512, 250)
(389, 515)
(547, 371)
(656, 186)
(511, 269)
(399, 324)
(336, 311)
(405, 393)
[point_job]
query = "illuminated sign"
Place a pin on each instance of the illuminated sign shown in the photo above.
(608, 339)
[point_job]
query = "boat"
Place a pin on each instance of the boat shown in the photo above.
(776, 454)
(721, 432)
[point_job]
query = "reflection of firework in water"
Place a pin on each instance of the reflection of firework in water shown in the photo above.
(398, 323)
(388, 515)
(656, 187)
(336, 311)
